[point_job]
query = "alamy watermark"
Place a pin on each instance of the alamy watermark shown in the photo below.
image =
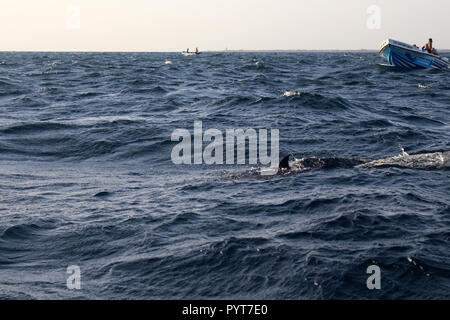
(374, 281)
(374, 19)
(73, 21)
(190, 149)
(74, 280)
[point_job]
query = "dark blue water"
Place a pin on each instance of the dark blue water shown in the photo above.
(86, 178)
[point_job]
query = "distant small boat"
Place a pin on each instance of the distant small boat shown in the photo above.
(403, 55)
(186, 53)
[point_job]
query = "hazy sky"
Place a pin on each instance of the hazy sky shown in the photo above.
(174, 25)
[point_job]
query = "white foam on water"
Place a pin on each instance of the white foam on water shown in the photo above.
(291, 93)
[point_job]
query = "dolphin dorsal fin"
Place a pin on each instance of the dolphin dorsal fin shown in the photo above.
(284, 163)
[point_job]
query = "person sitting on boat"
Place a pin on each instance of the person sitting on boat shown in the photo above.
(196, 50)
(187, 51)
(429, 48)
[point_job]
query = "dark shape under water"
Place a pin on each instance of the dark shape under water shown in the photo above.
(102, 194)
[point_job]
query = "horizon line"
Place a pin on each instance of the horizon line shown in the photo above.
(204, 51)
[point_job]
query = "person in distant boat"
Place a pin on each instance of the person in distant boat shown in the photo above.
(196, 50)
(187, 50)
(429, 48)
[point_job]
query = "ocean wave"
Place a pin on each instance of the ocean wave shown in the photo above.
(319, 101)
(35, 127)
(26, 231)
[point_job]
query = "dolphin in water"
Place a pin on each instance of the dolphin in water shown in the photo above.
(425, 161)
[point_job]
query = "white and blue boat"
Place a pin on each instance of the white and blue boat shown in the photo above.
(403, 55)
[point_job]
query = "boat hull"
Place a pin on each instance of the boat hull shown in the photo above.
(403, 55)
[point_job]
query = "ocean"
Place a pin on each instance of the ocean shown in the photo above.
(87, 180)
